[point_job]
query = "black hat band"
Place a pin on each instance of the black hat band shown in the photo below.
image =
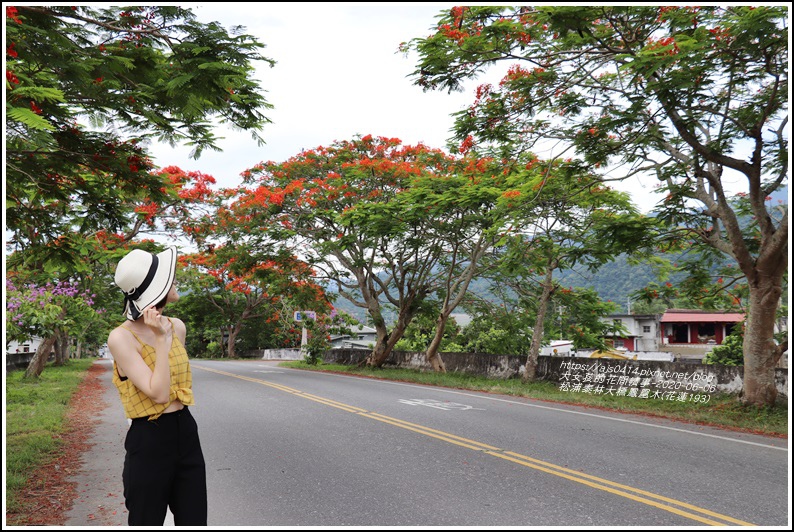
(135, 293)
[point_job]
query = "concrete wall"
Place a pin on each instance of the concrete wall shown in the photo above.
(647, 378)
(21, 360)
(276, 354)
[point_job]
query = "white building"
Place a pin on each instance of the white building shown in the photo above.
(558, 348)
(362, 337)
(25, 347)
(642, 331)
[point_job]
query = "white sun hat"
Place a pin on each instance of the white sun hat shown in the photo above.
(145, 279)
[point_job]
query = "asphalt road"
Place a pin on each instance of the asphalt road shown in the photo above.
(295, 448)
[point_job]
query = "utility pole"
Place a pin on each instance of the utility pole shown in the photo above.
(560, 308)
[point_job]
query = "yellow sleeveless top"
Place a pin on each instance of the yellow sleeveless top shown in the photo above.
(138, 404)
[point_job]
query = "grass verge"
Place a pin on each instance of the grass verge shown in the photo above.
(36, 411)
(721, 410)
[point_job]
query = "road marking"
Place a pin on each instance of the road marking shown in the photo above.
(567, 411)
(609, 486)
(441, 405)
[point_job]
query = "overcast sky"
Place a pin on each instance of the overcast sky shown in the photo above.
(338, 74)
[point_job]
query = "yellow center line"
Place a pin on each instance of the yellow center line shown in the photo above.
(629, 488)
(526, 461)
(563, 472)
(423, 430)
(627, 495)
(433, 432)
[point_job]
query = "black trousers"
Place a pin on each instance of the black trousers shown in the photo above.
(164, 467)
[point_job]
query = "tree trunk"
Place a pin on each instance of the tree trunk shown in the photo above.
(459, 287)
(761, 354)
(233, 332)
(384, 344)
(385, 340)
(39, 360)
(433, 357)
(378, 355)
(379, 352)
(61, 348)
(221, 342)
(531, 367)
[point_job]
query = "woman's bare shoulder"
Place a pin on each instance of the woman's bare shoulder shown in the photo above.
(118, 334)
(179, 325)
(121, 338)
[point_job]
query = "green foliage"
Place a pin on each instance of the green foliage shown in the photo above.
(502, 324)
(213, 350)
(318, 335)
(86, 88)
(730, 352)
(422, 329)
(496, 330)
(572, 223)
(200, 318)
(650, 307)
(581, 312)
(316, 344)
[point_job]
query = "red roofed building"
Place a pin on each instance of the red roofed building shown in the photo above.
(679, 326)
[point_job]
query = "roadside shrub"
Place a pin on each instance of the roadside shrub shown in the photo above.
(730, 353)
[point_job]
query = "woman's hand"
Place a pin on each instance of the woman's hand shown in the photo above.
(156, 322)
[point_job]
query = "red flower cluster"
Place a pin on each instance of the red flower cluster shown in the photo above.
(148, 211)
(466, 145)
(662, 43)
(11, 12)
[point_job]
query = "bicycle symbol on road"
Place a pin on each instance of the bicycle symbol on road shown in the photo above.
(441, 405)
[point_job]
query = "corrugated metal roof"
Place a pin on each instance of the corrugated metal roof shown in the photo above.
(705, 317)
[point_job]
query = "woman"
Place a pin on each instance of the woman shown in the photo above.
(164, 465)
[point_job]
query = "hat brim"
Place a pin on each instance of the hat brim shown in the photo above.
(161, 282)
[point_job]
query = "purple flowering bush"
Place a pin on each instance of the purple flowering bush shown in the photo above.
(34, 310)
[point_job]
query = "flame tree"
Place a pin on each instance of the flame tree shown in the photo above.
(243, 289)
(691, 98)
(369, 214)
(247, 274)
(467, 219)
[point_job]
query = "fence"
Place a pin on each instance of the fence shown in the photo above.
(586, 375)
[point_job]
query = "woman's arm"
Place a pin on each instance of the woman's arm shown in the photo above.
(154, 383)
